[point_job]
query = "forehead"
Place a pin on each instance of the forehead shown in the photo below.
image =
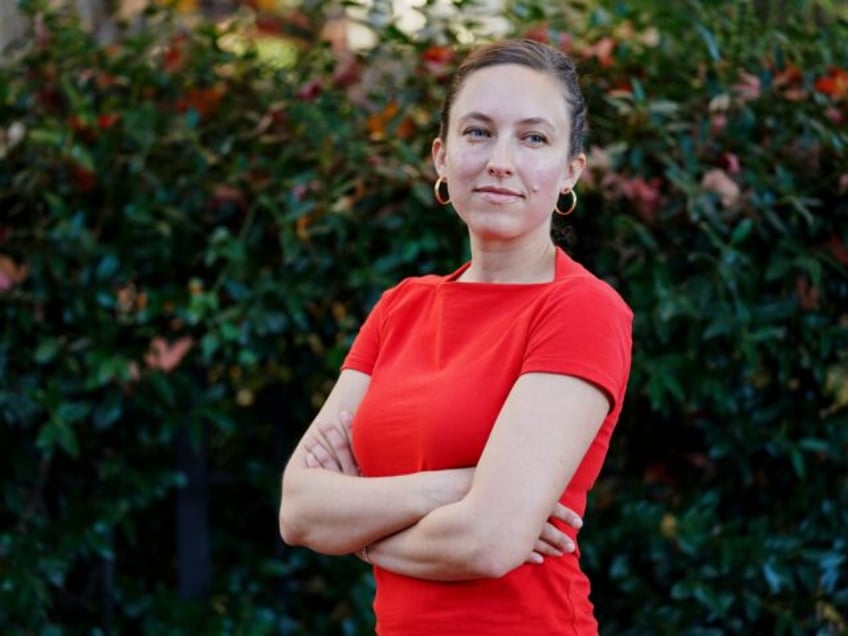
(512, 91)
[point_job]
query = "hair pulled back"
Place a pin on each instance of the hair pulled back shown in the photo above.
(534, 55)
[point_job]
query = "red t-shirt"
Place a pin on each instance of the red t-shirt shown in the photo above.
(442, 356)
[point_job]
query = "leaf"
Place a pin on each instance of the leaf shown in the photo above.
(57, 433)
(72, 412)
(107, 267)
(108, 411)
(741, 231)
(209, 344)
(709, 40)
(774, 579)
(83, 157)
(798, 464)
(47, 350)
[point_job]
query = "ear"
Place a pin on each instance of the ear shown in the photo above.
(573, 169)
(439, 153)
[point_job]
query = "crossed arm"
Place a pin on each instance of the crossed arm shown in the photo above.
(455, 524)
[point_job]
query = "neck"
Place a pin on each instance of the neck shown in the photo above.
(504, 262)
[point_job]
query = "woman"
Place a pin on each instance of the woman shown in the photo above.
(484, 400)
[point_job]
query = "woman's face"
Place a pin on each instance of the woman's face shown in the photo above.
(506, 156)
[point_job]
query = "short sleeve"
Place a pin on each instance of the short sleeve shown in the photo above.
(584, 330)
(366, 346)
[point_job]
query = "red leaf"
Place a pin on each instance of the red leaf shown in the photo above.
(165, 356)
(808, 295)
(838, 250)
(108, 120)
(203, 100)
(835, 83)
(310, 91)
(11, 273)
(539, 33)
(438, 55)
(85, 179)
(602, 50)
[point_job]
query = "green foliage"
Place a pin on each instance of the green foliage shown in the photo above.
(191, 234)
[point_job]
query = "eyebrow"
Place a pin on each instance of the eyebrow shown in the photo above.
(527, 121)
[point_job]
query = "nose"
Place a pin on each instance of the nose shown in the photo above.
(501, 162)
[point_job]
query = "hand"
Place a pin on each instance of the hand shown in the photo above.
(552, 541)
(330, 447)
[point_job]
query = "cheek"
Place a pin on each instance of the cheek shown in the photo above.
(546, 182)
(545, 185)
(466, 161)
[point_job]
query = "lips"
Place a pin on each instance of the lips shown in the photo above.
(498, 190)
(498, 194)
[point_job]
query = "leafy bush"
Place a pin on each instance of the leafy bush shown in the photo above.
(191, 233)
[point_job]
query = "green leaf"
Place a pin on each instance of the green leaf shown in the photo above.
(47, 350)
(107, 267)
(741, 231)
(108, 411)
(775, 580)
(57, 433)
(709, 40)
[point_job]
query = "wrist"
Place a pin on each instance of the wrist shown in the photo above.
(452, 486)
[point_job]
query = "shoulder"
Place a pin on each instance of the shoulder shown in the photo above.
(577, 288)
(413, 285)
(589, 289)
(408, 292)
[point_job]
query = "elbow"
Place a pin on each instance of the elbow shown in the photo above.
(294, 524)
(497, 554)
(290, 531)
(295, 527)
(495, 563)
(299, 531)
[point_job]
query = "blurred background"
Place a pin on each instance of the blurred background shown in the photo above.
(200, 201)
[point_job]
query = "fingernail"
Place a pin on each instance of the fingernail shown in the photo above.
(345, 417)
(537, 559)
(578, 522)
(569, 546)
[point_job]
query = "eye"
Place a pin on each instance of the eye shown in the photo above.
(475, 132)
(536, 139)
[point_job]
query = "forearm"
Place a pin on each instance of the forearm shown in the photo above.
(334, 513)
(453, 542)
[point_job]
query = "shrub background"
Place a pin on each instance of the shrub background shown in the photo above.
(191, 232)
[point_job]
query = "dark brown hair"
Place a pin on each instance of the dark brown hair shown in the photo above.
(534, 55)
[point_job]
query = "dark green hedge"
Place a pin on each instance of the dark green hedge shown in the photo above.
(190, 233)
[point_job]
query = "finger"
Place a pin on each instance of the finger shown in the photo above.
(318, 437)
(347, 422)
(324, 459)
(567, 515)
(339, 447)
(311, 461)
(346, 427)
(313, 439)
(535, 558)
(556, 538)
(546, 549)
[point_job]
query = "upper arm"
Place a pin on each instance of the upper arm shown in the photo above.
(297, 482)
(346, 395)
(537, 443)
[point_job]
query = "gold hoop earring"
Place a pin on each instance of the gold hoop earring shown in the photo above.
(437, 191)
(573, 204)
